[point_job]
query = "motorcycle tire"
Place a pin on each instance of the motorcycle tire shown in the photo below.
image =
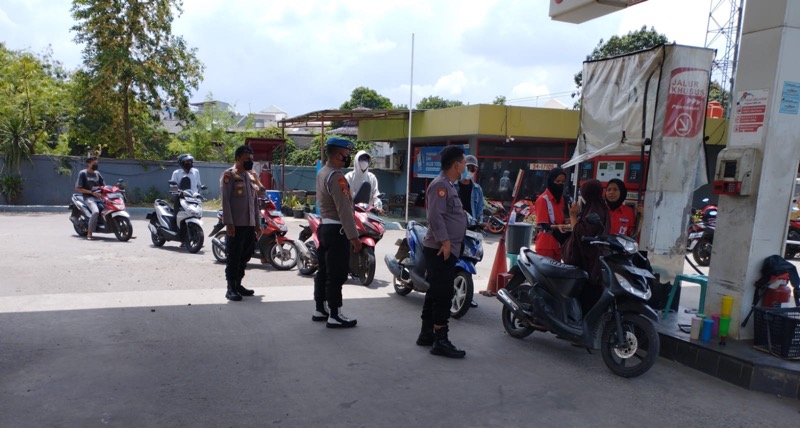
(641, 336)
(462, 294)
(307, 264)
(792, 250)
(158, 240)
(367, 256)
(219, 252)
(81, 229)
(702, 252)
(399, 286)
(194, 238)
(513, 326)
(123, 229)
(283, 256)
(494, 226)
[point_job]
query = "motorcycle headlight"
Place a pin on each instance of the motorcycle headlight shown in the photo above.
(631, 289)
(629, 245)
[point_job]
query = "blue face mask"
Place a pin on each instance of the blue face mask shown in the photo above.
(465, 175)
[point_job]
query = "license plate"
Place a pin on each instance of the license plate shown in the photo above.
(696, 235)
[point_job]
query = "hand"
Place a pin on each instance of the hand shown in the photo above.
(259, 231)
(356, 245)
(639, 209)
(97, 195)
(445, 250)
(230, 230)
(574, 209)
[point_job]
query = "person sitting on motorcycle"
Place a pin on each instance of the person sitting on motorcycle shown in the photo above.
(89, 182)
(469, 191)
(361, 175)
(582, 254)
(550, 207)
(623, 218)
(187, 177)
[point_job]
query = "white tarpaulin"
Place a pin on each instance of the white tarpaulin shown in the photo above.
(658, 94)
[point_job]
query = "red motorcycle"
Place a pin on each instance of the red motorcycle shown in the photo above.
(113, 217)
(794, 235)
(370, 229)
(495, 217)
(273, 246)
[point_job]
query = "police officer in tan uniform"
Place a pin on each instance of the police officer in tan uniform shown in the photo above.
(240, 213)
(441, 246)
(337, 234)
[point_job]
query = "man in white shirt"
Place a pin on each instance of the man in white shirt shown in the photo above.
(187, 177)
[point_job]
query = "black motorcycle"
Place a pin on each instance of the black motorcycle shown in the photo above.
(543, 295)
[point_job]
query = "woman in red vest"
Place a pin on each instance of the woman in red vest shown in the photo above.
(623, 219)
(550, 221)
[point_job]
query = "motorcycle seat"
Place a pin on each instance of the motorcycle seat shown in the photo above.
(555, 269)
(419, 232)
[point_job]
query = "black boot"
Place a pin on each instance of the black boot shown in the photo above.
(243, 291)
(443, 347)
(337, 320)
(426, 336)
(320, 314)
(232, 294)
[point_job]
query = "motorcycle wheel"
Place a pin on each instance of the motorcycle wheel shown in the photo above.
(640, 350)
(283, 256)
(792, 250)
(194, 238)
(157, 239)
(702, 252)
(219, 253)
(462, 294)
(367, 256)
(399, 287)
(122, 228)
(513, 326)
(81, 228)
(494, 226)
(304, 263)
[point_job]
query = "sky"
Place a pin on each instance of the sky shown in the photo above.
(308, 55)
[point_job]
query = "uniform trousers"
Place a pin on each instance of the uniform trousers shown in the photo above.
(333, 256)
(239, 249)
(440, 275)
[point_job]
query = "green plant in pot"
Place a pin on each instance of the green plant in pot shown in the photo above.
(297, 208)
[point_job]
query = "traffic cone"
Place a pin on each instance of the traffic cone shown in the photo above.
(498, 267)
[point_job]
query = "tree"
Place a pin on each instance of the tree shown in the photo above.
(435, 102)
(210, 136)
(365, 97)
(631, 42)
(499, 100)
(717, 93)
(134, 66)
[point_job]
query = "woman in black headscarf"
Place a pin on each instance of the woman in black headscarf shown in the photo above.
(623, 219)
(550, 220)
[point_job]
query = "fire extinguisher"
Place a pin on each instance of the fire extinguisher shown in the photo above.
(778, 292)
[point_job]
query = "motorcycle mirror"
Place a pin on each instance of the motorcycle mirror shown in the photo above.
(121, 184)
(172, 183)
(705, 201)
(203, 187)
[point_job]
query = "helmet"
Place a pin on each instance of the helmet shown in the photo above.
(185, 157)
(471, 160)
(339, 142)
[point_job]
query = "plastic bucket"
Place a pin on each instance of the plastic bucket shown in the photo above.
(275, 197)
(518, 235)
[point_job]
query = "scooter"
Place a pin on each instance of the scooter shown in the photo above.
(185, 226)
(495, 217)
(700, 241)
(543, 293)
(113, 216)
(408, 265)
(273, 245)
(794, 235)
(370, 229)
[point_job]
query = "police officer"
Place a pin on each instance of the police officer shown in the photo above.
(447, 225)
(240, 214)
(337, 234)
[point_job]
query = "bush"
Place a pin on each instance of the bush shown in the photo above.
(11, 188)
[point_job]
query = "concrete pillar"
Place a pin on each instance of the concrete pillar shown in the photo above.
(751, 228)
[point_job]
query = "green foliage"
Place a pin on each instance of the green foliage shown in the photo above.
(209, 136)
(499, 100)
(633, 41)
(294, 203)
(717, 93)
(15, 141)
(307, 157)
(435, 102)
(365, 97)
(11, 187)
(134, 66)
(151, 195)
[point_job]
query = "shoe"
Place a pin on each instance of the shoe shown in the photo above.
(426, 336)
(232, 294)
(338, 320)
(320, 315)
(473, 304)
(442, 345)
(243, 291)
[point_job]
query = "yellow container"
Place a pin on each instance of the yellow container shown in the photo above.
(727, 305)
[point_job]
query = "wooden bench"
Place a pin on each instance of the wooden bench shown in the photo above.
(398, 202)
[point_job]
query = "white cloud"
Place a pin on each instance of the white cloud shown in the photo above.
(451, 84)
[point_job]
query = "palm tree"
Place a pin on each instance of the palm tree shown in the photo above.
(15, 142)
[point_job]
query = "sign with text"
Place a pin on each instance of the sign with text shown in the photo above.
(750, 111)
(427, 163)
(686, 102)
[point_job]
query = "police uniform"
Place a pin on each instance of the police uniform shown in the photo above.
(446, 221)
(337, 228)
(239, 193)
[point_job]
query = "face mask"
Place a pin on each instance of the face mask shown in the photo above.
(364, 165)
(248, 165)
(465, 175)
(93, 167)
(187, 167)
(346, 160)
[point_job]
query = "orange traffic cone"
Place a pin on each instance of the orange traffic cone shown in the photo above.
(498, 267)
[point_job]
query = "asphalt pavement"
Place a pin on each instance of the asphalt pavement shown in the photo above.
(102, 332)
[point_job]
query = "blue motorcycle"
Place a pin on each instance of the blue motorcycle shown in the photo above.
(408, 266)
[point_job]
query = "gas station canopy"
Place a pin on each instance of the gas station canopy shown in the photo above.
(318, 118)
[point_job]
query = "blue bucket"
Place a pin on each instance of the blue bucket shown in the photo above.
(275, 197)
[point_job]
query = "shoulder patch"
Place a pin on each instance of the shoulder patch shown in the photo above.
(226, 177)
(344, 185)
(441, 192)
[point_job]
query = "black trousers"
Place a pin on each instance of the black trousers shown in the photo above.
(333, 256)
(440, 275)
(239, 248)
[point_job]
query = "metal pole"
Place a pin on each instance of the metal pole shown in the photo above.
(283, 162)
(408, 152)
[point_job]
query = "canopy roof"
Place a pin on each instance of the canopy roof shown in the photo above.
(342, 115)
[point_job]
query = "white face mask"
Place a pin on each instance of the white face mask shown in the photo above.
(364, 165)
(470, 175)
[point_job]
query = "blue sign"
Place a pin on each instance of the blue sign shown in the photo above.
(427, 163)
(790, 98)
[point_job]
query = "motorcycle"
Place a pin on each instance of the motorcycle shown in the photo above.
(700, 241)
(113, 216)
(273, 246)
(543, 293)
(707, 214)
(408, 265)
(495, 217)
(185, 225)
(370, 229)
(794, 235)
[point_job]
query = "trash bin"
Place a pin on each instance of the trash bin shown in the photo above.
(275, 197)
(518, 235)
